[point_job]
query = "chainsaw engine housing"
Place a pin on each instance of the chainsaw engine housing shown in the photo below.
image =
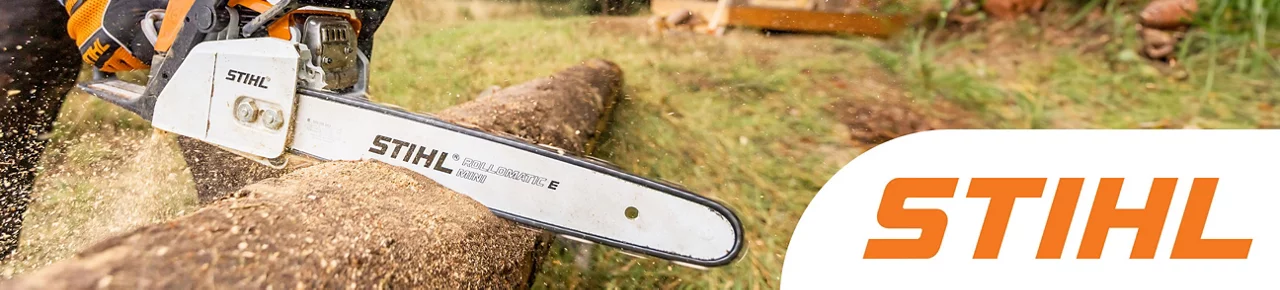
(332, 42)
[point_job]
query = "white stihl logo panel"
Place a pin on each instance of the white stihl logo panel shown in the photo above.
(261, 71)
(200, 101)
(1048, 209)
(516, 181)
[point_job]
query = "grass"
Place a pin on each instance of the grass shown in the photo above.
(1039, 76)
(743, 119)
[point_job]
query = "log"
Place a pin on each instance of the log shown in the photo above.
(218, 173)
(355, 224)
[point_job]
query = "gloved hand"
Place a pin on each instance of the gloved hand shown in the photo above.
(109, 32)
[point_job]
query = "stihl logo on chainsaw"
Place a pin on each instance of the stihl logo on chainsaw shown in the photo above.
(246, 78)
(472, 169)
(1101, 217)
(415, 154)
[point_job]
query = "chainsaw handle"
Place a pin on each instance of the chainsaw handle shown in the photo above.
(204, 17)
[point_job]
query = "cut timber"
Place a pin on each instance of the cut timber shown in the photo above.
(814, 21)
(787, 15)
(705, 8)
(354, 224)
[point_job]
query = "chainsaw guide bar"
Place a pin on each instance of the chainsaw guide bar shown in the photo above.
(580, 198)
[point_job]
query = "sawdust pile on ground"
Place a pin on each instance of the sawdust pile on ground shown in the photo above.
(875, 121)
(337, 224)
(876, 110)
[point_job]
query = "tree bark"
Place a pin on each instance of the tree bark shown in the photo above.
(363, 224)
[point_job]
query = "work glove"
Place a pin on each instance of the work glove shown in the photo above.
(109, 32)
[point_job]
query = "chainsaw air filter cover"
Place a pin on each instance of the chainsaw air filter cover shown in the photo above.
(332, 42)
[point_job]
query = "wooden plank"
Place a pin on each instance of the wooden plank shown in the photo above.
(741, 13)
(777, 4)
(700, 7)
(813, 21)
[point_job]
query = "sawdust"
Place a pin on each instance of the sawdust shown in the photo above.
(139, 186)
(38, 64)
(338, 224)
(97, 185)
(878, 110)
(872, 121)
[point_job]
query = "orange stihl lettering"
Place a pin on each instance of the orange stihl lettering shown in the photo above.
(1002, 193)
(931, 222)
(1059, 222)
(1148, 220)
(95, 52)
(1189, 244)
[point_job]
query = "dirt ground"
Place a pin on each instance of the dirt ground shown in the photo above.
(877, 111)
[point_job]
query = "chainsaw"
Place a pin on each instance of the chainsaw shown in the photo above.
(272, 80)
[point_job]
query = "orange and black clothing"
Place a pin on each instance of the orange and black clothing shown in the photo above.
(109, 32)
